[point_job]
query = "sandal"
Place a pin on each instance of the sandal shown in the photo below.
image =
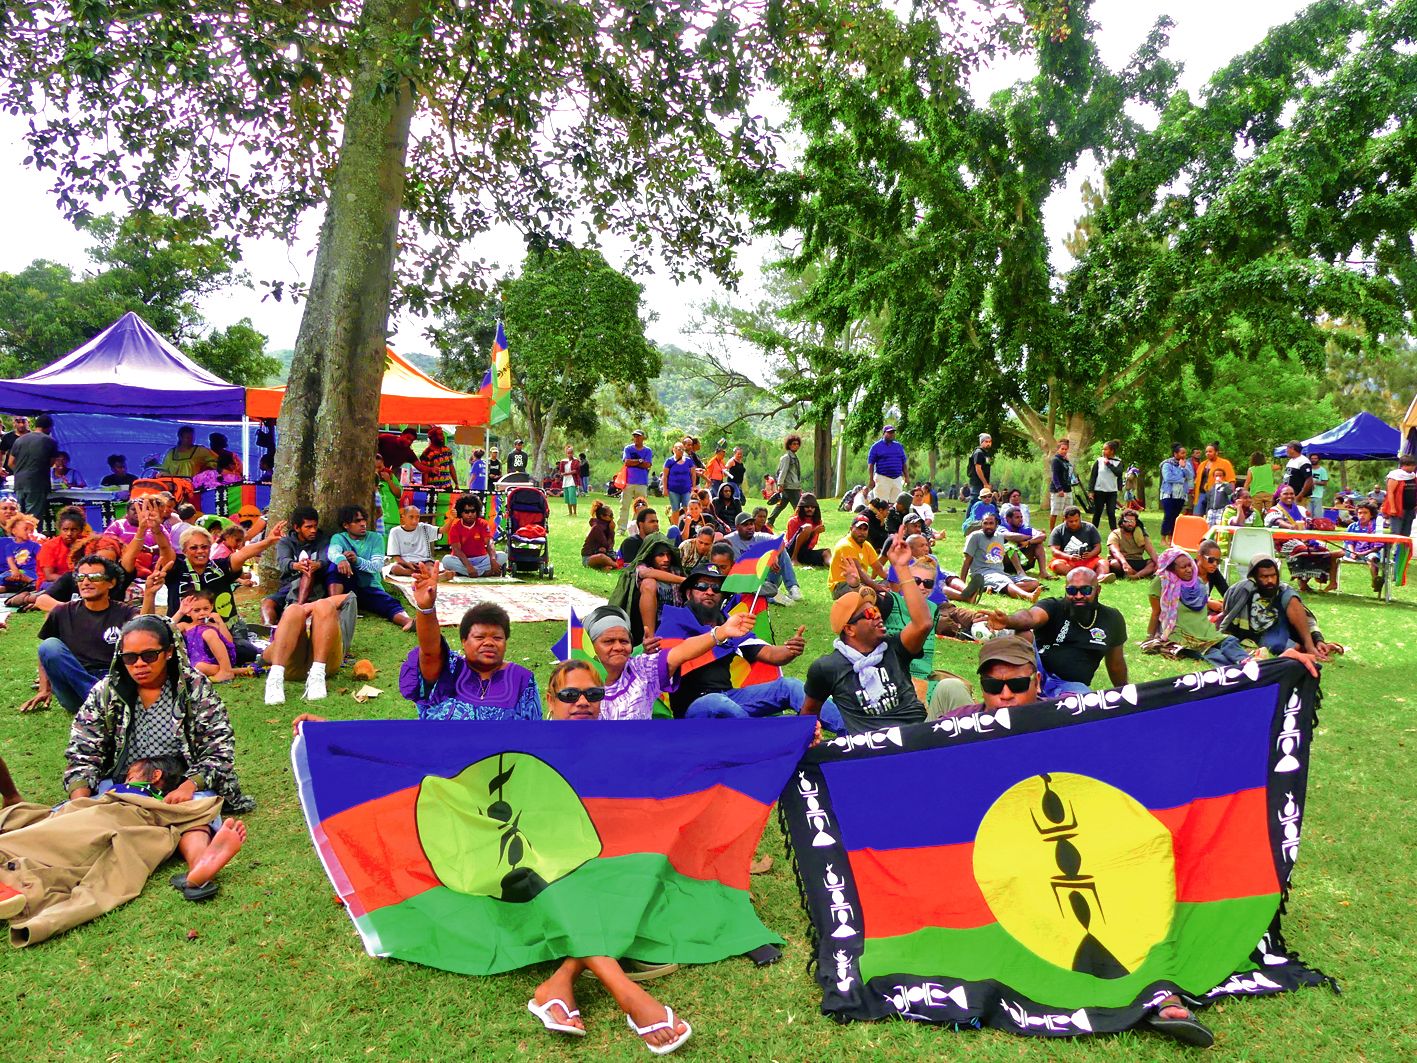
(543, 1012)
(205, 892)
(1190, 1030)
(655, 1027)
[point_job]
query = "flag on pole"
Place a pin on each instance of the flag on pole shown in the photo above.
(573, 645)
(752, 567)
(497, 381)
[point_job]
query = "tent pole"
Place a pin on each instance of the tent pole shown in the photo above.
(245, 446)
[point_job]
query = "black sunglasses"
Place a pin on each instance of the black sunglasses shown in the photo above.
(1018, 684)
(571, 695)
(1079, 592)
(928, 584)
(701, 586)
(131, 657)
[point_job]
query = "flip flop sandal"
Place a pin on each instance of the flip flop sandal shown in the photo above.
(667, 1024)
(204, 892)
(1190, 1030)
(543, 1012)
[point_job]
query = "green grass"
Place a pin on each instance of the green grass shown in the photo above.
(276, 971)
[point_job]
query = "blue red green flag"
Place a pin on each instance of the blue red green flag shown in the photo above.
(484, 849)
(752, 567)
(497, 381)
(1087, 864)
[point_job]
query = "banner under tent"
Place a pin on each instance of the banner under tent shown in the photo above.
(406, 396)
(1363, 437)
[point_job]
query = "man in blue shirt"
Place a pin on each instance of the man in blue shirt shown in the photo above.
(885, 466)
(639, 460)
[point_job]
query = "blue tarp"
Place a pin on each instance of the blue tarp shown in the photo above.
(91, 437)
(126, 369)
(1362, 437)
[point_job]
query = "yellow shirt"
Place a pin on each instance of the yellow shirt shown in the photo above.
(1203, 479)
(864, 554)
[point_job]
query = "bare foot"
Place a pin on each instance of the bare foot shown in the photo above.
(225, 844)
(644, 1010)
(560, 986)
(10, 799)
(223, 675)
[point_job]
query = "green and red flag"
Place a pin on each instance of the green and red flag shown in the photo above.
(1094, 854)
(752, 567)
(484, 849)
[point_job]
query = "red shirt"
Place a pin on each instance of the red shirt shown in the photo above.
(796, 522)
(54, 554)
(473, 539)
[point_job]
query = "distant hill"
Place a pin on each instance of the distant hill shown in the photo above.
(428, 363)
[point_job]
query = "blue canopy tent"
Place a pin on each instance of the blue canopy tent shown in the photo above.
(1362, 437)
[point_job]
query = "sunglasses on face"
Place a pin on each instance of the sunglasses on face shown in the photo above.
(928, 584)
(1078, 592)
(90, 577)
(1018, 684)
(131, 657)
(571, 695)
(702, 587)
(869, 613)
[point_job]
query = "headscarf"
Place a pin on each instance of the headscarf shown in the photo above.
(1176, 592)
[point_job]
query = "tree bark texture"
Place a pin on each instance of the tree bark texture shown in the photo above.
(822, 457)
(329, 417)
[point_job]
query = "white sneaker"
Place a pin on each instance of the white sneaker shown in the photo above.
(781, 598)
(275, 686)
(315, 687)
(795, 592)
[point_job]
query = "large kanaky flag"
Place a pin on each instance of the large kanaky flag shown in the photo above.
(481, 849)
(1058, 868)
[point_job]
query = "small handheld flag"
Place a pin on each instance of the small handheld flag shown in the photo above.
(752, 567)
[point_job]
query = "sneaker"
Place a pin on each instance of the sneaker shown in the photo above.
(315, 688)
(1107, 578)
(781, 598)
(275, 687)
(795, 592)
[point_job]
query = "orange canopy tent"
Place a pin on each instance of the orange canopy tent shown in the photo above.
(407, 396)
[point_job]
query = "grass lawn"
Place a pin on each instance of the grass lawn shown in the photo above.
(275, 969)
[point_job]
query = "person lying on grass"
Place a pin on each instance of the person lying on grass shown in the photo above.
(53, 876)
(575, 691)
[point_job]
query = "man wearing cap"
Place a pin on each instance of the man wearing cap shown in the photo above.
(981, 463)
(886, 463)
(855, 547)
(896, 515)
(867, 674)
(780, 587)
(708, 691)
(638, 460)
(1008, 676)
(1263, 610)
(518, 460)
(494, 466)
(1074, 635)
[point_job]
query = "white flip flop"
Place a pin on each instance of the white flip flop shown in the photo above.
(543, 1012)
(667, 1024)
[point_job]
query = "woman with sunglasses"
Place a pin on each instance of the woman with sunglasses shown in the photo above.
(574, 692)
(804, 527)
(152, 703)
(632, 684)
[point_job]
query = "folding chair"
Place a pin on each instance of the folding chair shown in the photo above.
(1190, 530)
(1246, 544)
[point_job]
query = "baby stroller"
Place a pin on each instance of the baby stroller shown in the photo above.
(528, 515)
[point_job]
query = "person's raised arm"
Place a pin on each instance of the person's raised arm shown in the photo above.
(913, 635)
(246, 553)
(735, 627)
(1022, 620)
(425, 622)
(156, 578)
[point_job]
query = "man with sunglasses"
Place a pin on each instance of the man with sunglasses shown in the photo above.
(867, 674)
(1074, 635)
(77, 637)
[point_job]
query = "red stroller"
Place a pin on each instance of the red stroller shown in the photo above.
(528, 514)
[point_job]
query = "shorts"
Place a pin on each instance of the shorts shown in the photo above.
(678, 499)
(1058, 502)
(377, 601)
(569, 494)
(1136, 564)
(998, 582)
(1074, 562)
(888, 487)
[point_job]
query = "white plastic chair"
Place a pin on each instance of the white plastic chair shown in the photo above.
(1246, 544)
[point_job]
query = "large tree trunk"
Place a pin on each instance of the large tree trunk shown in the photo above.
(328, 419)
(822, 456)
(934, 465)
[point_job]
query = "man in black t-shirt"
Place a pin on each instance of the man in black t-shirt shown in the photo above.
(867, 675)
(981, 463)
(1074, 635)
(77, 638)
(518, 459)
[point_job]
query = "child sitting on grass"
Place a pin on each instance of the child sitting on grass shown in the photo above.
(209, 644)
(411, 545)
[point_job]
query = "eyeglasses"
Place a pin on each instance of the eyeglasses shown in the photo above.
(1018, 684)
(701, 586)
(1079, 592)
(928, 584)
(90, 577)
(869, 613)
(571, 695)
(131, 658)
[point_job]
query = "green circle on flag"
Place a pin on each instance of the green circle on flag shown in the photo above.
(506, 827)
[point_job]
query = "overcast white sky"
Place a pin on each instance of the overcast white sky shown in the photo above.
(1207, 34)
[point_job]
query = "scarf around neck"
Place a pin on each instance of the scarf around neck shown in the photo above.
(872, 689)
(1176, 592)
